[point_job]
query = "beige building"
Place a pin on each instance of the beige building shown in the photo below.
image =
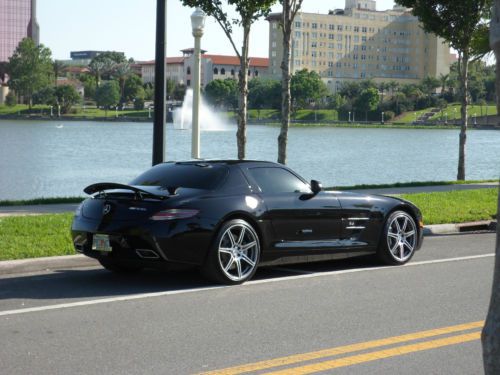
(359, 42)
(212, 67)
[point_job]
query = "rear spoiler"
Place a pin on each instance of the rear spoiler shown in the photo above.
(103, 186)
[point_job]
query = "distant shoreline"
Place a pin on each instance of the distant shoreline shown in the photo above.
(294, 123)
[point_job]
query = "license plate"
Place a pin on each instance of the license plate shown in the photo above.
(100, 242)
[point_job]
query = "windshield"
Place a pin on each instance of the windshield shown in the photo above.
(187, 175)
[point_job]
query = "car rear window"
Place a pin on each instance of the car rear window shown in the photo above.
(187, 175)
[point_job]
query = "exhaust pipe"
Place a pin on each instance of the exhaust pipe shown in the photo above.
(147, 254)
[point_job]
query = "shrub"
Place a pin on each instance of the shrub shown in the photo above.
(11, 99)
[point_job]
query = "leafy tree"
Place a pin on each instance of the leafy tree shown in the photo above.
(115, 57)
(490, 336)
(459, 23)
(44, 96)
(66, 96)
(248, 11)
(108, 95)
(444, 79)
(89, 85)
(264, 93)
(222, 93)
(179, 92)
(290, 9)
(133, 88)
(103, 65)
(30, 68)
(307, 87)
(367, 101)
(350, 89)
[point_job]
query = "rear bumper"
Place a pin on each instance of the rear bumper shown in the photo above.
(146, 242)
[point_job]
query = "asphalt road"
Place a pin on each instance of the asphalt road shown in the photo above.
(334, 317)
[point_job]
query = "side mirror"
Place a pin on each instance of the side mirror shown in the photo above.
(316, 186)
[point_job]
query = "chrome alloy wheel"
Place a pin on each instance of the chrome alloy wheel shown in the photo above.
(238, 252)
(402, 237)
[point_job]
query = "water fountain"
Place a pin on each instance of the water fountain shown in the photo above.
(209, 120)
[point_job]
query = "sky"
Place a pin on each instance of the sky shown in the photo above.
(129, 26)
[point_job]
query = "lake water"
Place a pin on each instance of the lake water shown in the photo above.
(48, 159)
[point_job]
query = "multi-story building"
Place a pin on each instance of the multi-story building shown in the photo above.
(213, 67)
(359, 42)
(17, 21)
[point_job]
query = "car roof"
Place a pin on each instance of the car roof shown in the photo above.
(224, 161)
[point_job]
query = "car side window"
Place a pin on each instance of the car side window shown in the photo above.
(278, 180)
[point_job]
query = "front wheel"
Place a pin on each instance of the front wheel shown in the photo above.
(235, 253)
(399, 239)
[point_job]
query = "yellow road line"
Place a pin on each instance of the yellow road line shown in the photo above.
(292, 359)
(381, 354)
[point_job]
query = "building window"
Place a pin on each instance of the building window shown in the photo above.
(232, 72)
(330, 36)
(188, 83)
(188, 70)
(275, 25)
(216, 71)
(331, 27)
(339, 27)
(297, 24)
(314, 44)
(314, 35)
(256, 73)
(297, 34)
(314, 25)
(356, 29)
(223, 71)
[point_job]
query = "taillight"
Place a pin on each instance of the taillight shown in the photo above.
(173, 214)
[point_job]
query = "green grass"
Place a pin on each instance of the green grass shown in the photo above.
(37, 201)
(451, 112)
(457, 206)
(35, 236)
(77, 111)
(408, 184)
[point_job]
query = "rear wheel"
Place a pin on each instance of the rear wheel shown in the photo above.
(235, 253)
(399, 239)
(117, 267)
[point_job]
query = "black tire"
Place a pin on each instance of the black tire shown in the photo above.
(117, 267)
(233, 261)
(398, 240)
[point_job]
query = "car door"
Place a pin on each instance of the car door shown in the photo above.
(299, 218)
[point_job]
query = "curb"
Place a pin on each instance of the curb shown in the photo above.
(8, 267)
(444, 229)
(20, 266)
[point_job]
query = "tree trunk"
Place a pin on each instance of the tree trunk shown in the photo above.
(463, 72)
(490, 337)
(285, 81)
(241, 133)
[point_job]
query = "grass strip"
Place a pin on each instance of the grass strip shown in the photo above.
(49, 235)
(39, 201)
(35, 236)
(409, 184)
(457, 206)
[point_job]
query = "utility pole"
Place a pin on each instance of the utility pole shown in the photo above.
(160, 95)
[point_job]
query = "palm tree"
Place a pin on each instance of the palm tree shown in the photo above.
(121, 72)
(444, 79)
(382, 87)
(58, 66)
(96, 68)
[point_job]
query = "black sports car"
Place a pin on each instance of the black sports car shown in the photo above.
(228, 217)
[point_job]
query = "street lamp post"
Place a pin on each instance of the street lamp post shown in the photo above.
(382, 118)
(349, 119)
(197, 24)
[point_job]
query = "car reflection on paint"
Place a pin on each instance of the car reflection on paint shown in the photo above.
(229, 217)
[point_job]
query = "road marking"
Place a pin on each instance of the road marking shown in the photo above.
(292, 359)
(249, 283)
(373, 356)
